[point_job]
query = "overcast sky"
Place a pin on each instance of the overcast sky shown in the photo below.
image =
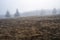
(27, 5)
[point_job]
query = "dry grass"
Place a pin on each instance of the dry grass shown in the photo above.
(29, 29)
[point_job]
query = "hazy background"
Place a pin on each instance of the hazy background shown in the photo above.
(27, 5)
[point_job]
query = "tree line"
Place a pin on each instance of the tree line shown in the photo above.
(17, 14)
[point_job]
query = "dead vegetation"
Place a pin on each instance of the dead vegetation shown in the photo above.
(16, 29)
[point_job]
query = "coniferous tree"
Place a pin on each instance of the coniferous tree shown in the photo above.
(54, 11)
(7, 14)
(17, 13)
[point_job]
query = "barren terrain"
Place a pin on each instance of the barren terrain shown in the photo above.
(30, 28)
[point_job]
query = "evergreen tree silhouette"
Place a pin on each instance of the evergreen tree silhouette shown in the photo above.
(54, 11)
(7, 14)
(17, 13)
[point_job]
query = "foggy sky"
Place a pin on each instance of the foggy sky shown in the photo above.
(27, 5)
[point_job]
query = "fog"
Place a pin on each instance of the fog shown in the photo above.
(27, 5)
